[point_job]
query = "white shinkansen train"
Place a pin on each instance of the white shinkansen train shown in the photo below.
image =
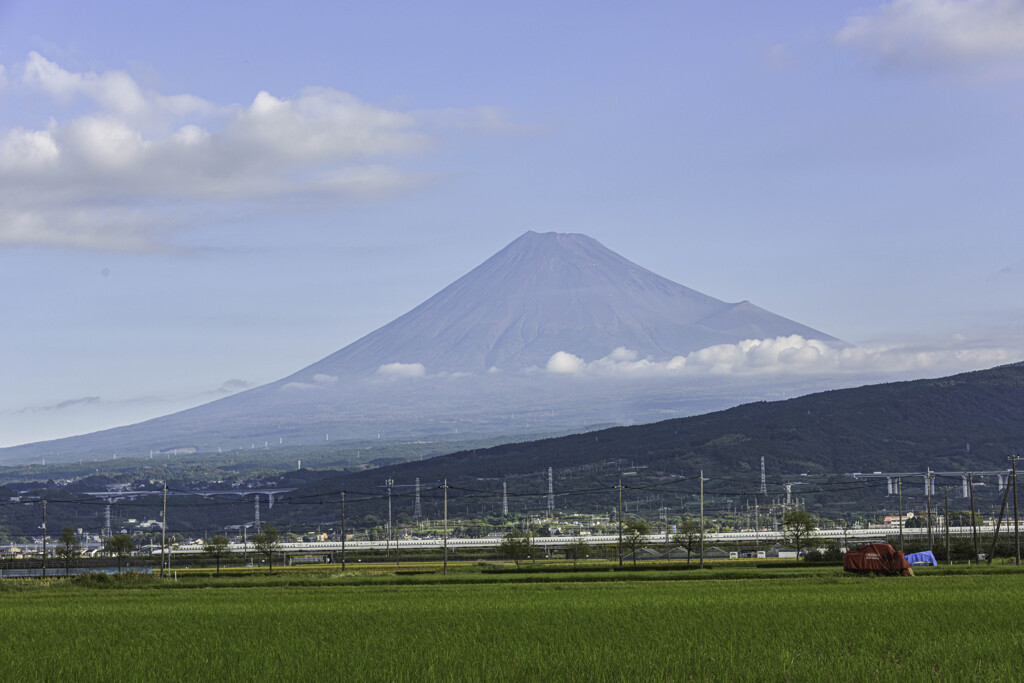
(853, 535)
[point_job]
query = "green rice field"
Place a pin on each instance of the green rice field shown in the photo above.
(821, 625)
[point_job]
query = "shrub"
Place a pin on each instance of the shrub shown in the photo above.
(92, 580)
(128, 579)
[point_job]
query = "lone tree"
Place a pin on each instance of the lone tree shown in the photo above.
(68, 547)
(218, 549)
(120, 546)
(798, 525)
(515, 546)
(266, 543)
(579, 549)
(634, 532)
(687, 537)
(846, 525)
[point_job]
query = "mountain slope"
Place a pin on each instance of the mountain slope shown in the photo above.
(474, 354)
(551, 292)
(970, 421)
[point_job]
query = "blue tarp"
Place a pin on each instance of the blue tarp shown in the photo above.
(927, 557)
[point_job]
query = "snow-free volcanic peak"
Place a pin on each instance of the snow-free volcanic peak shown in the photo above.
(550, 292)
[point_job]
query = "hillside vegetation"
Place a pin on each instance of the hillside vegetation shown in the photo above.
(968, 421)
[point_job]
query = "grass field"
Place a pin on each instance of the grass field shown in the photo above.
(814, 625)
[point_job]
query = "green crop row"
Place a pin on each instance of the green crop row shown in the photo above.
(940, 627)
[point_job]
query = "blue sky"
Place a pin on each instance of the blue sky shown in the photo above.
(197, 197)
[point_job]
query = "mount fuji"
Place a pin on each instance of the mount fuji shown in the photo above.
(552, 292)
(481, 356)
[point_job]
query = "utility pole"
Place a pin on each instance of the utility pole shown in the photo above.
(1016, 523)
(757, 527)
(619, 486)
(389, 482)
(445, 487)
(702, 519)
(342, 531)
(974, 527)
(44, 538)
(945, 489)
(928, 490)
(664, 513)
(163, 535)
(999, 523)
(529, 540)
(899, 485)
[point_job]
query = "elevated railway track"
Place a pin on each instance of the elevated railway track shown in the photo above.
(852, 536)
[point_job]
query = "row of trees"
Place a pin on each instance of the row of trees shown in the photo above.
(517, 547)
(797, 524)
(69, 547)
(265, 543)
(120, 546)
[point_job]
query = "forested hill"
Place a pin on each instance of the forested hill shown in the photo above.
(967, 421)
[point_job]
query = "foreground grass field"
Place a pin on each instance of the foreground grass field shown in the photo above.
(812, 626)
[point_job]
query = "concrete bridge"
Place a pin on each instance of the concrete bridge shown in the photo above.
(115, 496)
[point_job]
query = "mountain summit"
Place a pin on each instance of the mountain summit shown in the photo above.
(481, 345)
(550, 292)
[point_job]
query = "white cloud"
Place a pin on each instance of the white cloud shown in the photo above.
(112, 228)
(790, 355)
(124, 176)
(28, 150)
(402, 370)
(3, 77)
(291, 386)
(320, 381)
(563, 363)
(115, 91)
(105, 144)
(320, 125)
(983, 36)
